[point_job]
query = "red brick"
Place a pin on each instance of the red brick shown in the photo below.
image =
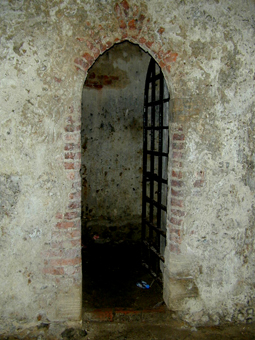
(105, 46)
(141, 18)
(178, 184)
(88, 58)
(69, 166)
(134, 36)
(71, 215)
(175, 221)
(62, 253)
(69, 155)
(81, 64)
(74, 205)
(65, 262)
(174, 248)
(178, 136)
(162, 64)
(70, 128)
(176, 193)
(75, 195)
(72, 137)
(177, 155)
(174, 230)
(170, 57)
(69, 146)
(75, 242)
(90, 44)
(65, 225)
(132, 24)
(124, 35)
(175, 238)
(177, 174)
(74, 234)
(125, 5)
(176, 203)
(168, 68)
(51, 253)
(142, 40)
(54, 271)
(96, 52)
(178, 213)
(149, 43)
(161, 30)
(59, 216)
(122, 24)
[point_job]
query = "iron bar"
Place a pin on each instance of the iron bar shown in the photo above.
(157, 229)
(155, 145)
(155, 203)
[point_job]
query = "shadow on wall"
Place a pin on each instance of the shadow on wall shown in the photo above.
(112, 135)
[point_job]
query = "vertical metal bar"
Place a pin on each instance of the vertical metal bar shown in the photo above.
(151, 237)
(145, 155)
(152, 163)
(152, 160)
(159, 210)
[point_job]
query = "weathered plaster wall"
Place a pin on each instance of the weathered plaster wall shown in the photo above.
(112, 142)
(206, 51)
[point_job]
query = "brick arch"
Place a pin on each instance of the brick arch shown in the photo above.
(63, 260)
(131, 23)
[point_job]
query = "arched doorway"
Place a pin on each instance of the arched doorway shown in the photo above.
(112, 175)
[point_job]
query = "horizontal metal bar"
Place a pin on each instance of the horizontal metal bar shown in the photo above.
(156, 178)
(153, 274)
(156, 204)
(154, 77)
(156, 102)
(154, 227)
(154, 250)
(157, 153)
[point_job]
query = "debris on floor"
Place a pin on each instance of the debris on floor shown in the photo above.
(173, 330)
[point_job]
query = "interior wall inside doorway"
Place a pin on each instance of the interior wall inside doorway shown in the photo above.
(112, 135)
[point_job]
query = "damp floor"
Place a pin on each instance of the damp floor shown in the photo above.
(111, 272)
(114, 308)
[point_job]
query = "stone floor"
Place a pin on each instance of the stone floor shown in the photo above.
(143, 330)
(114, 308)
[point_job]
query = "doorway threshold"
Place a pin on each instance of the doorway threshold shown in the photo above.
(123, 315)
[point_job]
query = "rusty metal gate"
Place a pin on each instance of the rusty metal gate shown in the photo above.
(155, 160)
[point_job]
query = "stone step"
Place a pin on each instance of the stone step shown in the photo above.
(155, 315)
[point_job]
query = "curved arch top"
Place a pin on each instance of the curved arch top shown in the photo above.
(132, 24)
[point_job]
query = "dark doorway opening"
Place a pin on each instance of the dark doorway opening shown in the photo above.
(112, 176)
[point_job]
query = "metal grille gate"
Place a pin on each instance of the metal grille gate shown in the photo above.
(155, 157)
